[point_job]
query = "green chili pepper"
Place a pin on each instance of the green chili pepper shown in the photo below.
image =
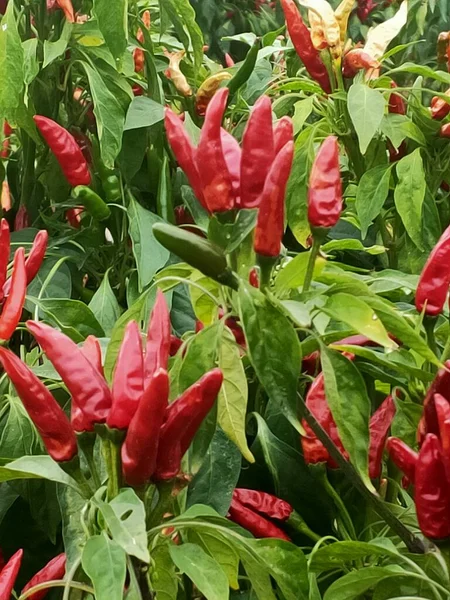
(243, 75)
(112, 188)
(92, 202)
(197, 252)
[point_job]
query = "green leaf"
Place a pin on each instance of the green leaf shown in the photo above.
(373, 189)
(112, 19)
(150, 255)
(163, 576)
(11, 64)
(273, 348)
(259, 577)
(293, 273)
(427, 72)
(204, 307)
(302, 110)
(104, 562)
(297, 192)
(182, 16)
(104, 306)
(143, 112)
(53, 50)
(354, 584)
(73, 317)
(203, 570)
(335, 556)
(347, 397)
(36, 467)
(233, 397)
(220, 548)
(366, 107)
(30, 62)
(409, 194)
(351, 244)
(109, 115)
(125, 518)
(214, 483)
(71, 504)
(359, 316)
(399, 127)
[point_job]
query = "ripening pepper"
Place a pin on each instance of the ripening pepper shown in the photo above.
(8, 575)
(442, 45)
(92, 202)
(207, 90)
(325, 187)
(253, 510)
(87, 387)
(355, 60)
(229, 62)
(174, 73)
(5, 244)
(270, 224)
(434, 281)
(66, 151)
(445, 131)
(301, 39)
(53, 570)
(67, 8)
(5, 196)
(138, 54)
(439, 107)
(365, 7)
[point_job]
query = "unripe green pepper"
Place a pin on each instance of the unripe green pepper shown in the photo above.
(112, 188)
(92, 202)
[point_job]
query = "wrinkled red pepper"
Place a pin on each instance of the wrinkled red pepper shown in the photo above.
(440, 385)
(266, 504)
(258, 525)
(434, 281)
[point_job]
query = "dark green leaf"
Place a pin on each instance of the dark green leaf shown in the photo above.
(410, 193)
(112, 19)
(104, 306)
(372, 192)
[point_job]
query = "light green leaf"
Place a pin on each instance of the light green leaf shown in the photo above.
(373, 189)
(73, 317)
(36, 467)
(11, 63)
(302, 110)
(112, 19)
(104, 562)
(104, 306)
(409, 194)
(366, 107)
(53, 50)
(293, 273)
(163, 576)
(30, 63)
(221, 549)
(143, 112)
(351, 244)
(182, 15)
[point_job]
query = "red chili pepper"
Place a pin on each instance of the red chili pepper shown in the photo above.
(9, 574)
(21, 220)
(355, 60)
(440, 385)
(73, 216)
(379, 426)
(12, 309)
(5, 245)
(67, 8)
(253, 278)
(303, 45)
(259, 526)
(34, 260)
(432, 490)
(175, 345)
(7, 131)
(128, 383)
(52, 571)
(396, 154)
(182, 420)
(184, 151)
(88, 389)
(283, 133)
(270, 225)
(396, 104)
(439, 107)
(445, 131)
(365, 7)
(66, 151)
(325, 187)
(158, 337)
(266, 504)
(232, 154)
(229, 62)
(138, 54)
(93, 352)
(257, 153)
(443, 416)
(49, 418)
(215, 179)
(403, 457)
(140, 449)
(434, 281)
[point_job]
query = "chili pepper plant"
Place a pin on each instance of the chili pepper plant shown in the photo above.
(224, 280)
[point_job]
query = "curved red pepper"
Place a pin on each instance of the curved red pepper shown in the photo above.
(34, 260)
(434, 281)
(259, 526)
(12, 309)
(440, 385)
(5, 245)
(264, 503)
(66, 151)
(93, 352)
(257, 153)
(9, 574)
(140, 449)
(379, 426)
(325, 187)
(52, 571)
(403, 457)
(128, 383)
(158, 337)
(232, 154)
(270, 224)
(214, 176)
(88, 389)
(283, 133)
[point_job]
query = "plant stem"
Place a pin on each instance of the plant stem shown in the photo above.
(349, 528)
(165, 498)
(311, 263)
(111, 452)
(413, 543)
(296, 522)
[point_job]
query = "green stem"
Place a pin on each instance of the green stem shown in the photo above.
(164, 503)
(413, 543)
(86, 443)
(111, 452)
(296, 522)
(429, 324)
(265, 264)
(311, 263)
(387, 242)
(349, 529)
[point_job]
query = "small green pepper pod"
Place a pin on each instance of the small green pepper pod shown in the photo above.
(92, 202)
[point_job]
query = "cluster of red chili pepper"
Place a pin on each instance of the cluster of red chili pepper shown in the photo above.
(156, 434)
(434, 282)
(225, 177)
(429, 469)
(52, 571)
(313, 449)
(24, 270)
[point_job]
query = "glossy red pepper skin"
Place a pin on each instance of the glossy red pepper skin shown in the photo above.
(52, 571)
(303, 45)
(283, 133)
(443, 415)
(7, 131)
(9, 574)
(270, 224)
(34, 260)
(66, 151)
(257, 153)
(445, 131)
(397, 105)
(379, 426)
(128, 382)
(158, 337)
(49, 418)
(357, 60)
(5, 244)
(92, 351)
(266, 504)
(325, 187)
(403, 457)
(439, 108)
(140, 449)
(182, 420)
(87, 387)
(253, 278)
(232, 154)
(214, 176)
(434, 281)
(175, 345)
(12, 309)
(440, 385)
(258, 525)
(184, 152)
(432, 491)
